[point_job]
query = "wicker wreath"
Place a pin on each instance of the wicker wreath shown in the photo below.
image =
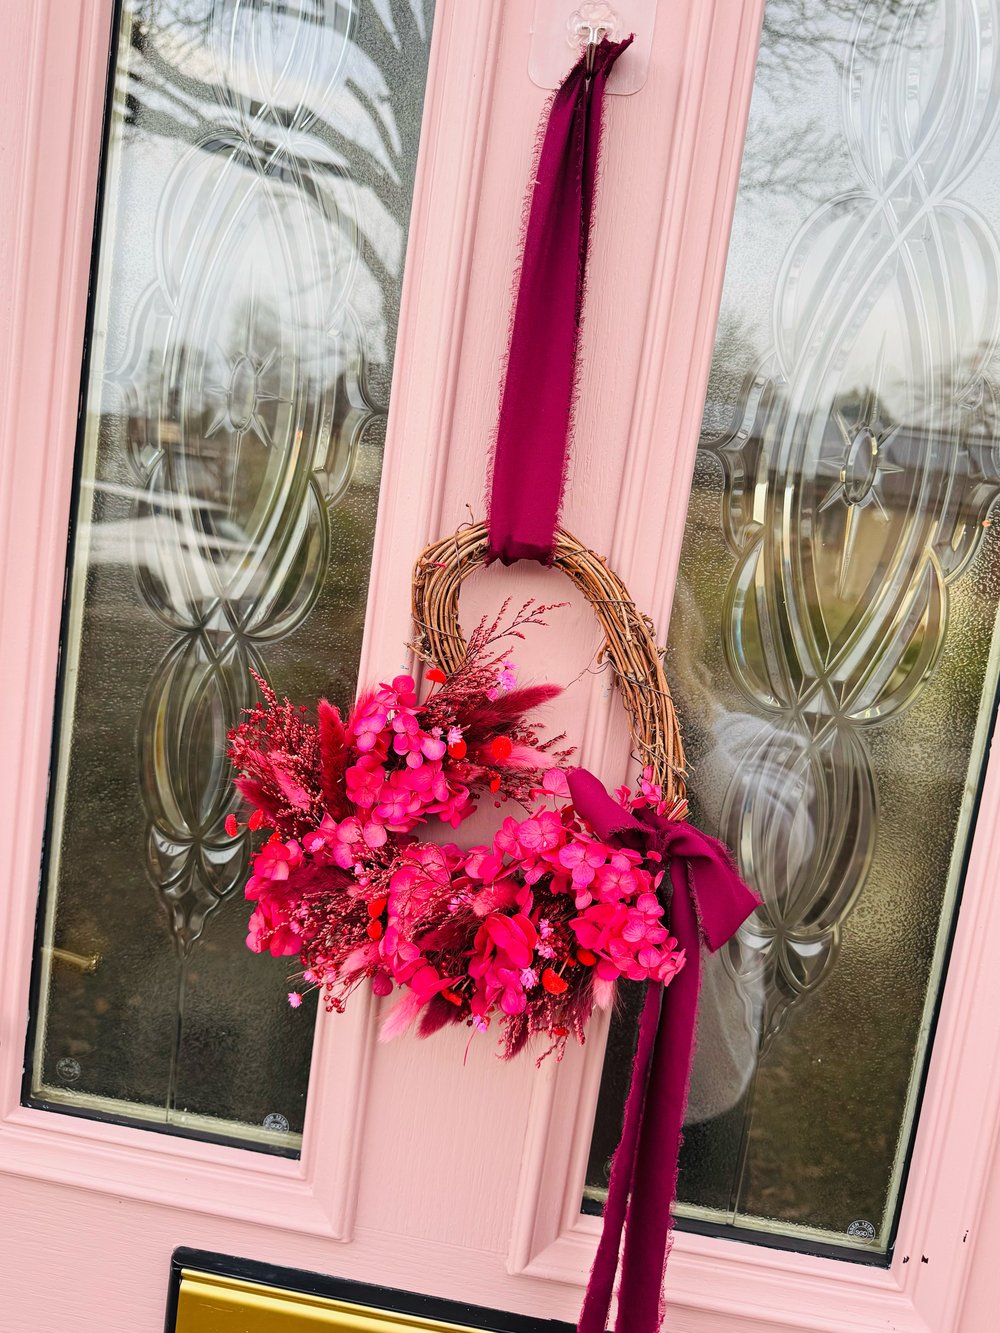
(629, 637)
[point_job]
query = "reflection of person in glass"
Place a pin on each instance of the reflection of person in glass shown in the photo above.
(716, 745)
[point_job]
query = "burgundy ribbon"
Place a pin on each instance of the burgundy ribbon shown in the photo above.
(709, 903)
(709, 900)
(536, 407)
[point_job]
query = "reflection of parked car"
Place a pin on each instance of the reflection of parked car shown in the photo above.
(190, 552)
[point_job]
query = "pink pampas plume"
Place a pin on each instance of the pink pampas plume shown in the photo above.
(332, 759)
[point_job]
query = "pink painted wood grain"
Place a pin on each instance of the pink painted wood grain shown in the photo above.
(470, 1190)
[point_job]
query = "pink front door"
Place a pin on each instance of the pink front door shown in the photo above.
(240, 494)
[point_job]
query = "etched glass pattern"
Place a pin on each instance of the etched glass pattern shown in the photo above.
(833, 638)
(257, 189)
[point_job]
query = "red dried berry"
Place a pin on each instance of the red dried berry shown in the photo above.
(437, 676)
(374, 930)
(553, 982)
(501, 748)
(255, 821)
(377, 906)
(458, 749)
(585, 957)
(232, 828)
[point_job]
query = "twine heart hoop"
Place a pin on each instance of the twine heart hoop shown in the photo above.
(629, 639)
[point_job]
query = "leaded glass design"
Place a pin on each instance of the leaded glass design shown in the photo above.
(833, 639)
(257, 187)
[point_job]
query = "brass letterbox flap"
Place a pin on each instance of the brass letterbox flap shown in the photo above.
(220, 1293)
(214, 1303)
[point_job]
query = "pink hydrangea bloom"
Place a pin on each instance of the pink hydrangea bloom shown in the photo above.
(364, 781)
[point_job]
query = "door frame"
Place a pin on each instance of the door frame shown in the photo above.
(463, 232)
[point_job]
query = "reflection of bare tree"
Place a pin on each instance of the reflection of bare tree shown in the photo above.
(793, 26)
(171, 91)
(795, 155)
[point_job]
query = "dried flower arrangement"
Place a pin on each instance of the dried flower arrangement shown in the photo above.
(530, 931)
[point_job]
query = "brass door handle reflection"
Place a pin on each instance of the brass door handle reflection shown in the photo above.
(82, 962)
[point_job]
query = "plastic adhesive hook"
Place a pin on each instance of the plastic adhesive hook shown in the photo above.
(558, 38)
(589, 25)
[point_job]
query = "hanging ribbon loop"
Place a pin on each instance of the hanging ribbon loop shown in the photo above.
(536, 406)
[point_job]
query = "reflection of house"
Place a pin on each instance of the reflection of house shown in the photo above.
(860, 485)
(196, 462)
(924, 486)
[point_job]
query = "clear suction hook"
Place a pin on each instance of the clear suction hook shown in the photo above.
(559, 38)
(589, 25)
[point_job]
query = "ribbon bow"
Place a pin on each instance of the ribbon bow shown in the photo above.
(709, 903)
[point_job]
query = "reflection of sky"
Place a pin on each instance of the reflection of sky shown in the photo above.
(278, 60)
(798, 160)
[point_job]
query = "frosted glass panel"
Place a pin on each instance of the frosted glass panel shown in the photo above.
(833, 640)
(257, 188)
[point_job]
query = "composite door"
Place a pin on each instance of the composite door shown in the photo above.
(235, 410)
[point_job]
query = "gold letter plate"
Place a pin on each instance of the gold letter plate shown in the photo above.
(210, 1303)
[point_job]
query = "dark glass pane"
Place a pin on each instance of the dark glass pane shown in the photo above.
(833, 639)
(258, 180)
